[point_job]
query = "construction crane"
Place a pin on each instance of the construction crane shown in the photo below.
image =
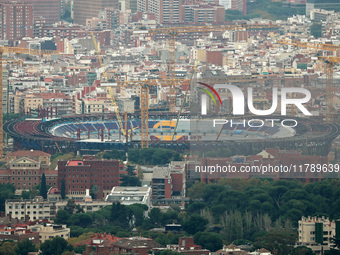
(15, 50)
(144, 103)
(113, 99)
(173, 32)
(329, 70)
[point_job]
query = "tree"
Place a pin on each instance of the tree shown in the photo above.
(130, 181)
(208, 240)
(302, 250)
(62, 217)
(6, 192)
(120, 214)
(195, 224)
(63, 189)
(130, 170)
(43, 189)
(7, 248)
(197, 190)
(278, 242)
(26, 194)
(316, 30)
(24, 247)
(56, 246)
(94, 191)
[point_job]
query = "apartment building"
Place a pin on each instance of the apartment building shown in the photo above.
(86, 9)
(36, 209)
(316, 233)
(202, 13)
(240, 5)
(49, 9)
(166, 11)
(16, 20)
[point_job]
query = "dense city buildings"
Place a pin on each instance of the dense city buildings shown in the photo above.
(145, 156)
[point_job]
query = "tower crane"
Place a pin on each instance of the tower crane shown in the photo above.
(144, 100)
(329, 70)
(173, 32)
(113, 99)
(15, 50)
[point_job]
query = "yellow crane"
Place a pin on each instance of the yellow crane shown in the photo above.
(113, 99)
(15, 50)
(329, 70)
(173, 32)
(144, 103)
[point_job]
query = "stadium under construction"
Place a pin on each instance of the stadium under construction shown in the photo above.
(94, 133)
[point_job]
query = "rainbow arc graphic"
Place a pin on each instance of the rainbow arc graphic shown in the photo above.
(204, 98)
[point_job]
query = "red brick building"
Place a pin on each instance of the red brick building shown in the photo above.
(80, 175)
(240, 5)
(16, 20)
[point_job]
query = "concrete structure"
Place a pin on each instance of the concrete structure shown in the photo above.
(126, 105)
(50, 231)
(316, 233)
(16, 21)
(80, 175)
(130, 195)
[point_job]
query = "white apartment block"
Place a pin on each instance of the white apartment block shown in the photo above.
(38, 208)
(316, 233)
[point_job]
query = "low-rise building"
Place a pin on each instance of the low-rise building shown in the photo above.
(18, 234)
(130, 195)
(50, 231)
(185, 245)
(39, 208)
